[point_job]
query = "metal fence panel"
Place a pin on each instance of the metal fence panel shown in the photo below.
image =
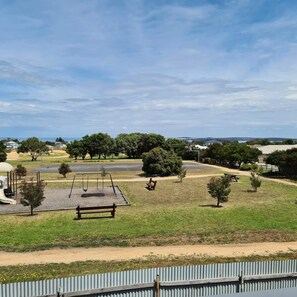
(174, 281)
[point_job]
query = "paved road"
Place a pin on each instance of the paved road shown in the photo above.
(95, 167)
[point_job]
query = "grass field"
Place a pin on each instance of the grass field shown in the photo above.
(175, 213)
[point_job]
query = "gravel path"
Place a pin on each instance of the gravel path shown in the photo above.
(129, 253)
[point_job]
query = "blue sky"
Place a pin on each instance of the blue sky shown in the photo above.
(179, 68)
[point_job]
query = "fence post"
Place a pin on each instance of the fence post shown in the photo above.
(157, 285)
(241, 282)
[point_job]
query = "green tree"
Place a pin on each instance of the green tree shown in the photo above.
(288, 141)
(219, 188)
(98, 144)
(33, 146)
(232, 154)
(128, 144)
(89, 145)
(149, 141)
(181, 174)
(3, 155)
(177, 145)
(20, 171)
(60, 139)
(76, 149)
(255, 181)
(32, 194)
(215, 153)
(161, 162)
(286, 161)
(64, 169)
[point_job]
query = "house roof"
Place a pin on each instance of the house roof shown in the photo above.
(268, 149)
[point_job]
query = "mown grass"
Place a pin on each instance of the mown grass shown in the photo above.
(22, 273)
(175, 213)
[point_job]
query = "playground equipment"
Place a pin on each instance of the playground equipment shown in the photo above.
(4, 199)
(85, 181)
(8, 184)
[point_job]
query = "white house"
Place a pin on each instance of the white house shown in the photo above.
(12, 145)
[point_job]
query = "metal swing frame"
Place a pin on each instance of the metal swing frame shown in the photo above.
(85, 186)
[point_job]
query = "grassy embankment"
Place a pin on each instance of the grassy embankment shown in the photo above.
(21, 273)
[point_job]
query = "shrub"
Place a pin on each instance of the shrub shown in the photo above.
(32, 194)
(161, 162)
(219, 188)
(64, 169)
(20, 171)
(255, 181)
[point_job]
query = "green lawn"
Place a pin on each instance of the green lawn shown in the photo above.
(175, 213)
(22, 273)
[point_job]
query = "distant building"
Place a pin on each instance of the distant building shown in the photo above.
(212, 141)
(268, 149)
(200, 147)
(11, 145)
(60, 145)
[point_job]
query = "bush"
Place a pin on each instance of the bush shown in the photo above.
(64, 169)
(32, 194)
(182, 174)
(219, 188)
(20, 171)
(255, 181)
(161, 162)
(247, 167)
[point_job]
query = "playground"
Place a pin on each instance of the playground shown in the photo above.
(58, 199)
(86, 190)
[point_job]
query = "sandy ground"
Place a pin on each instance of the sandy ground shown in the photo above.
(129, 253)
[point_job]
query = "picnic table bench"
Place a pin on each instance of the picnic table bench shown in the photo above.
(232, 177)
(95, 209)
(151, 185)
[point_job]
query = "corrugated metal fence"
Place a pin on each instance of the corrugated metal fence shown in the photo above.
(183, 281)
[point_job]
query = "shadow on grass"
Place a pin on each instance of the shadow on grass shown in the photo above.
(26, 215)
(210, 205)
(92, 195)
(93, 218)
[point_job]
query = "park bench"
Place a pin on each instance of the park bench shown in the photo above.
(95, 209)
(151, 185)
(232, 177)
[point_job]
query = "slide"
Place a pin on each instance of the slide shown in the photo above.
(4, 199)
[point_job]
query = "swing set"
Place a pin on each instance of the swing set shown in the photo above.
(85, 181)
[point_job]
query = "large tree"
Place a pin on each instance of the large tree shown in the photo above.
(161, 162)
(286, 161)
(128, 144)
(233, 154)
(76, 149)
(100, 144)
(3, 154)
(33, 146)
(177, 145)
(149, 141)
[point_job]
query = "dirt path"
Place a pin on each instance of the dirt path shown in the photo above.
(129, 253)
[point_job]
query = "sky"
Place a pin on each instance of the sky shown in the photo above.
(201, 68)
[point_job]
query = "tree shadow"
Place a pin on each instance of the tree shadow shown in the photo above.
(210, 205)
(27, 214)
